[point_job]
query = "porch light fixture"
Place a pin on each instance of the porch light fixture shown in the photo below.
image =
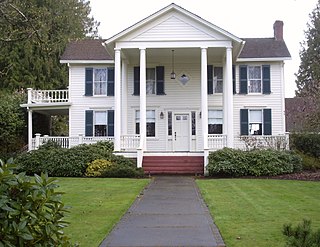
(173, 75)
(161, 115)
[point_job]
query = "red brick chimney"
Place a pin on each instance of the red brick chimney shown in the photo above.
(278, 30)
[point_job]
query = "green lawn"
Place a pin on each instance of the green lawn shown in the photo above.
(97, 205)
(254, 210)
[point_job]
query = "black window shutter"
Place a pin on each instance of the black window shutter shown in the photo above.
(266, 81)
(267, 122)
(89, 123)
(234, 79)
(111, 123)
(136, 81)
(110, 84)
(244, 125)
(210, 78)
(160, 80)
(89, 82)
(243, 79)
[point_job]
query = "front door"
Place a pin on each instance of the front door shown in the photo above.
(181, 132)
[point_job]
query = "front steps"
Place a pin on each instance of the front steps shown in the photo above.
(173, 165)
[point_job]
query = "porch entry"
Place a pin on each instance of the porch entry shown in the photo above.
(181, 132)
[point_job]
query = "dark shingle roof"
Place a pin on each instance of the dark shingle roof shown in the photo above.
(88, 49)
(264, 48)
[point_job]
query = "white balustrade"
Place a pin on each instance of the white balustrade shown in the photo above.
(129, 142)
(217, 141)
(279, 142)
(48, 96)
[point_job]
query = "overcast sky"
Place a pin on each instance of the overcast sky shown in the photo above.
(244, 19)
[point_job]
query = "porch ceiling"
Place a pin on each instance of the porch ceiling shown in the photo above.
(181, 55)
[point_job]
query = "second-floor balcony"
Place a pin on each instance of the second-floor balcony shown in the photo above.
(47, 96)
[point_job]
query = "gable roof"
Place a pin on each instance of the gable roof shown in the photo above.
(87, 49)
(167, 9)
(264, 48)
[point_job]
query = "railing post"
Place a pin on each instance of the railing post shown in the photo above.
(29, 95)
(80, 139)
(287, 138)
(37, 144)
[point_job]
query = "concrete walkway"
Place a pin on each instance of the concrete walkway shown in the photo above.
(171, 213)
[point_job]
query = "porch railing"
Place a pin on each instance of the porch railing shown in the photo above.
(217, 141)
(130, 142)
(48, 96)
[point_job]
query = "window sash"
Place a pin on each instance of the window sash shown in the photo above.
(150, 81)
(215, 121)
(100, 123)
(218, 80)
(254, 79)
(100, 81)
(255, 122)
(151, 120)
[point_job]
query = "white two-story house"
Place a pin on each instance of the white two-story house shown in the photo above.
(170, 87)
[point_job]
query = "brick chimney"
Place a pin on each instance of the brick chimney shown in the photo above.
(278, 30)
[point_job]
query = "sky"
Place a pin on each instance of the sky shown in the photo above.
(244, 19)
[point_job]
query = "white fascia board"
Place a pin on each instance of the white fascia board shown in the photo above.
(49, 106)
(87, 61)
(173, 44)
(266, 59)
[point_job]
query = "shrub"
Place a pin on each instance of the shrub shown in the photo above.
(61, 162)
(301, 235)
(96, 167)
(31, 211)
(118, 171)
(236, 163)
(308, 143)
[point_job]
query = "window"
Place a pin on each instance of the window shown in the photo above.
(215, 121)
(218, 80)
(193, 123)
(151, 123)
(215, 79)
(254, 79)
(255, 122)
(151, 81)
(99, 81)
(154, 81)
(170, 123)
(99, 123)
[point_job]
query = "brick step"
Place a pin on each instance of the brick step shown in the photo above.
(173, 164)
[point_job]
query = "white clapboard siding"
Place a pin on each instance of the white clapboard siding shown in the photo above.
(81, 103)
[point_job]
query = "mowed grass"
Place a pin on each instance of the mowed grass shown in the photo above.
(251, 212)
(97, 205)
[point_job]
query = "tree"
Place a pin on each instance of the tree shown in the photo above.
(33, 35)
(308, 76)
(11, 122)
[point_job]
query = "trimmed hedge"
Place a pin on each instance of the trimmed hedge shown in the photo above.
(73, 162)
(236, 163)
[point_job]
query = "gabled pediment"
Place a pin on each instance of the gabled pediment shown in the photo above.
(173, 23)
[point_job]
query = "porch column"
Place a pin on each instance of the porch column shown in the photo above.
(204, 98)
(124, 105)
(29, 129)
(143, 100)
(117, 98)
(228, 93)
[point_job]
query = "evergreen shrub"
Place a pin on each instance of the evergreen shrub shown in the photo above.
(237, 163)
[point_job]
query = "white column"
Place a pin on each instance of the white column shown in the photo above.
(29, 129)
(225, 98)
(229, 96)
(117, 98)
(143, 100)
(124, 116)
(204, 98)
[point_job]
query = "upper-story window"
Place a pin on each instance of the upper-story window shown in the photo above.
(155, 84)
(254, 79)
(215, 79)
(99, 81)
(151, 81)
